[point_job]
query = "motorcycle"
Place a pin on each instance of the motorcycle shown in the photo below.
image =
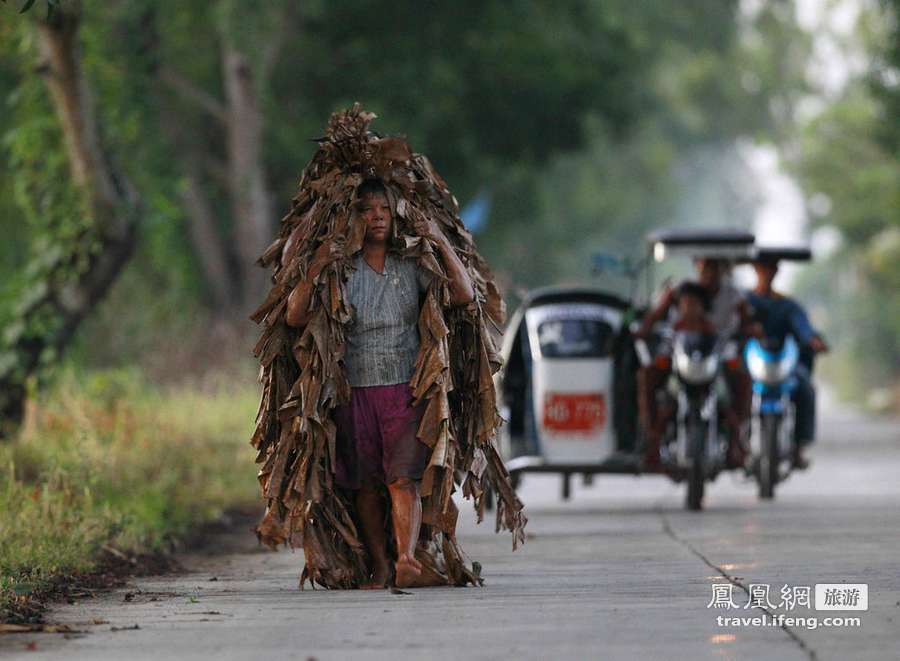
(568, 386)
(772, 369)
(694, 446)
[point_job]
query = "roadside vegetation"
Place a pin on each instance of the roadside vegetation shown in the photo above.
(123, 290)
(107, 463)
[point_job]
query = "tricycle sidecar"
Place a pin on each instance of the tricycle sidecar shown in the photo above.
(567, 386)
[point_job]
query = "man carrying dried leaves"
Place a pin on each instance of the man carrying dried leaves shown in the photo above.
(380, 338)
(376, 431)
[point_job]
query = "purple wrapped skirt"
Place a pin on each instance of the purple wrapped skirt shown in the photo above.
(376, 437)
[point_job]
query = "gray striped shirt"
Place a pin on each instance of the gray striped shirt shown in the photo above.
(383, 336)
(723, 312)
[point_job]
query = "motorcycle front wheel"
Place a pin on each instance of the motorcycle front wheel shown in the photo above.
(696, 480)
(767, 474)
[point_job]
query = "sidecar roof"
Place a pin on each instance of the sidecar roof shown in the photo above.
(713, 243)
(782, 253)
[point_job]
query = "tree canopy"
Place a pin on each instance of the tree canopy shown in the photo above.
(587, 122)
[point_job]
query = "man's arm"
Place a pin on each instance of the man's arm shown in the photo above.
(298, 314)
(803, 329)
(749, 325)
(461, 289)
(658, 312)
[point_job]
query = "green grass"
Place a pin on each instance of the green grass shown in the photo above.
(107, 459)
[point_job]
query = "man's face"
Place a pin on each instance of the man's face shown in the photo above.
(690, 308)
(376, 211)
(709, 272)
(765, 272)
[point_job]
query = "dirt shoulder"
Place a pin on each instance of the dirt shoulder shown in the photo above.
(115, 568)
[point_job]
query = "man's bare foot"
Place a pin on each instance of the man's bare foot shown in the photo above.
(379, 579)
(408, 570)
(427, 578)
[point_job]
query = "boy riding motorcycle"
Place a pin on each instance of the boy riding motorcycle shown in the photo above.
(728, 314)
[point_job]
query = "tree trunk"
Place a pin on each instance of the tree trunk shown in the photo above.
(113, 204)
(206, 238)
(250, 200)
(229, 267)
(207, 241)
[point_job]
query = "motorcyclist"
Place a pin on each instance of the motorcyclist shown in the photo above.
(780, 316)
(728, 314)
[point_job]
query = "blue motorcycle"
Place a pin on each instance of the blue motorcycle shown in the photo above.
(773, 370)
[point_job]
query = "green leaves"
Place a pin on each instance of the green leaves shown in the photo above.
(52, 5)
(844, 158)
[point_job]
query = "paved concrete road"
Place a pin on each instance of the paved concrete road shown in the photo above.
(620, 572)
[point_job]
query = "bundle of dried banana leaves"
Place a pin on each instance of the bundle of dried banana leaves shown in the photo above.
(303, 377)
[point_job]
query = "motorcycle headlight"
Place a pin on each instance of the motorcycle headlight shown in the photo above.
(771, 373)
(789, 358)
(780, 371)
(697, 368)
(770, 369)
(756, 365)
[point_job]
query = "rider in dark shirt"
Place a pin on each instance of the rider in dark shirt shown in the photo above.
(781, 316)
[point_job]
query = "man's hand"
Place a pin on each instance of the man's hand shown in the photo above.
(428, 228)
(755, 329)
(326, 253)
(462, 290)
(297, 313)
(658, 311)
(818, 345)
(641, 333)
